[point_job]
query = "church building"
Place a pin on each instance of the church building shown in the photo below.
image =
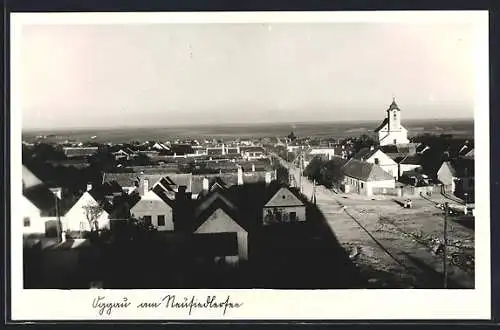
(390, 131)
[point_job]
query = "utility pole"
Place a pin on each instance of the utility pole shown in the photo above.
(300, 169)
(59, 225)
(445, 248)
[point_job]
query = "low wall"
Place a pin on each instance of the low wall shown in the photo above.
(408, 191)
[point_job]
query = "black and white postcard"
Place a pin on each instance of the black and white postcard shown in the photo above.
(252, 165)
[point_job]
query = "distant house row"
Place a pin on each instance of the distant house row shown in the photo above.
(377, 168)
(226, 209)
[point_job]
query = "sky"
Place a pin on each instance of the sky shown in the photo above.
(181, 74)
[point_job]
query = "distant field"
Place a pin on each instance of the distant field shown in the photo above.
(462, 128)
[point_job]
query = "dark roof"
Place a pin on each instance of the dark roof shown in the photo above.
(163, 194)
(393, 106)
(132, 179)
(365, 171)
(365, 153)
(217, 200)
(461, 167)
(412, 159)
(384, 122)
(99, 194)
(43, 199)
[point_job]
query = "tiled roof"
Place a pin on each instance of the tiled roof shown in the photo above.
(365, 171)
(132, 179)
(229, 179)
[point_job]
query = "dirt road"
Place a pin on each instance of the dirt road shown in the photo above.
(393, 246)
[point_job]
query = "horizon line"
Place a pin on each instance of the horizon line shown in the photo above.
(267, 123)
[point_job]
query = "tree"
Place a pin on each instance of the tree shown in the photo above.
(363, 141)
(92, 213)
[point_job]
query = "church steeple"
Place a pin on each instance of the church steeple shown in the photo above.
(393, 105)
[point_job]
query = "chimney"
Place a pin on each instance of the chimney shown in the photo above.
(253, 167)
(181, 209)
(240, 176)
(268, 178)
(57, 191)
(372, 148)
(143, 186)
(89, 186)
(205, 184)
(223, 149)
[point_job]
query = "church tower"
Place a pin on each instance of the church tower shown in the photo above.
(394, 117)
(390, 131)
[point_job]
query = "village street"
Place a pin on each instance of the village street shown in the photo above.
(391, 245)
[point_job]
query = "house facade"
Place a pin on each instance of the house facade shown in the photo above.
(85, 211)
(362, 177)
(378, 157)
(215, 215)
(154, 209)
(283, 207)
(390, 131)
(218, 222)
(457, 176)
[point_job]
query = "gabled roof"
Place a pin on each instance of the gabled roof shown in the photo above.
(365, 171)
(132, 179)
(461, 167)
(43, 199)
(470, 154)
(29, 179)
(384, 122)
(411, 160)
(213, 201)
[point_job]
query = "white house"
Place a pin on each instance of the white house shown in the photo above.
(283, 207)
(378, 157)
(217, 215)
(90, 208)
(328, 152)
(362, 177)
(154, 207)
(390, 131)
(39, 211)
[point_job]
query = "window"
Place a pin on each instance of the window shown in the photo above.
(27, 222)
(395, 116)
(293, 216)
(395, 141)
(147, 220)
(361, 184)
(283, 197)
(83, 226)
(161, 220)
(376, 161)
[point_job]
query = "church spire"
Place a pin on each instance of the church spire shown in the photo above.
(393, 105)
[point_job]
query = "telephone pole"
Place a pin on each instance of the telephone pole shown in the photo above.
(445, 248)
